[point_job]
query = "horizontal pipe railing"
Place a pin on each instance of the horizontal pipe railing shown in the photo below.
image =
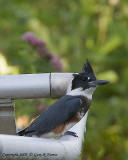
(47, 85)
(65, 148)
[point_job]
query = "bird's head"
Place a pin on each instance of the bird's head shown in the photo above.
(86, 80)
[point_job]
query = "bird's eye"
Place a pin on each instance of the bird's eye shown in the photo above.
(84, 79)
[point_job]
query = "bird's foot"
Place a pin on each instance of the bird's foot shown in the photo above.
(71, 133)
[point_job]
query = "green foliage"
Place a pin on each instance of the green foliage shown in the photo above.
(76, 30)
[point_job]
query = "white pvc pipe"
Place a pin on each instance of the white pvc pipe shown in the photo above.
(45, 85)
(65, 148)
(24, 86)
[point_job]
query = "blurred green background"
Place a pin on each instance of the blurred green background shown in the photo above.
(74, 30)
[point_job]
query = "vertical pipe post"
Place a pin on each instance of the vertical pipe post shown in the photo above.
(7, 117)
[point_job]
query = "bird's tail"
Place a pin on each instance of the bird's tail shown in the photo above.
(22, 132)
(26, 132)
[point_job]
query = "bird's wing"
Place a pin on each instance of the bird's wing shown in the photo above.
(56, 114)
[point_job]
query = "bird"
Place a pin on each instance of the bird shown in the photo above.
(58, 118)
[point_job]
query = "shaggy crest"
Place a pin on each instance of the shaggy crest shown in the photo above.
(87, 68)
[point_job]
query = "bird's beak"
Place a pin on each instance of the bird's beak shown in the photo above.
(98, 83)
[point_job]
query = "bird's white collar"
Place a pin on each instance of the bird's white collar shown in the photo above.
(79, 91)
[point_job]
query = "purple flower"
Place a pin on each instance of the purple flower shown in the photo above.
(42, 52)
(40, 47)
(31, 38)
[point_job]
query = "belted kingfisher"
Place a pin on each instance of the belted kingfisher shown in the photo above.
(58, 118)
